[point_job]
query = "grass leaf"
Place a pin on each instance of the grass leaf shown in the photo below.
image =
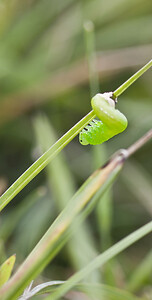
(6, 269)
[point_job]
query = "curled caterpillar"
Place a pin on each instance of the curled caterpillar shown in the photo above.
(112, 121)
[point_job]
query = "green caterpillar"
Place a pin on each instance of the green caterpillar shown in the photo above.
(112, 121)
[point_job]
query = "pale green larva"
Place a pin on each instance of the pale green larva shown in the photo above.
(112, 121)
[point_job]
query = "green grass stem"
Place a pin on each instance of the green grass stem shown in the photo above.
(131, 80)
(43, 161)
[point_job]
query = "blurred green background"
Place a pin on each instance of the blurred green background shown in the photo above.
(44, 91)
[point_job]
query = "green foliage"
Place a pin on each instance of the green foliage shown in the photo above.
(44, 45)
(6, 269)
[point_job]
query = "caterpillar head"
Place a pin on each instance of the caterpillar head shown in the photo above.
(108, 97)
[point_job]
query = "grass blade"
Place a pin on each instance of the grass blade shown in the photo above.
(58, 233)
(6, 269)
(101, 260)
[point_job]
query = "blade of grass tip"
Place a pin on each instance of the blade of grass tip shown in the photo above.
(101, 260)
(131, 80)
(43, 161)
(58, 233)
(91, 56)
(6, 269)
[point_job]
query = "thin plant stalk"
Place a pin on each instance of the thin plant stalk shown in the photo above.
(89, 36)
(46, 158)
(43, 161)
(131, 80)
